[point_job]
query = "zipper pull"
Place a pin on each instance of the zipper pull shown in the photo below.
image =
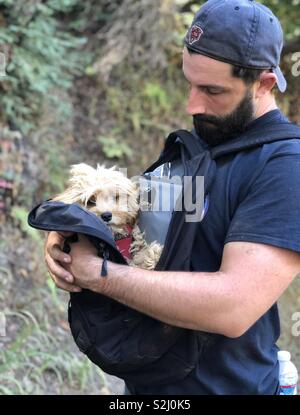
(105, 255)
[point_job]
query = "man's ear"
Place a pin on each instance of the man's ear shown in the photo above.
(266, 83)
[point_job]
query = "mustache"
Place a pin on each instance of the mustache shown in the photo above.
(198, 118)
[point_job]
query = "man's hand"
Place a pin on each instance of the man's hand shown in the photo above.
(85, 265)
(55, 257)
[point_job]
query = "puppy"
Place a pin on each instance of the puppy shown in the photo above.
(113, 197)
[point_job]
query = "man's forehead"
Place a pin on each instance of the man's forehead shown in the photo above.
(204, 68)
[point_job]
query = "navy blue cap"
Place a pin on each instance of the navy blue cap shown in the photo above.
(241, 32)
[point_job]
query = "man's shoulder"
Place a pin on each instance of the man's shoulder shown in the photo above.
(276, 149)
(279, 160)
(252, 158)
(282, 153)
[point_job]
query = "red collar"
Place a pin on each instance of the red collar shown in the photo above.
(123, 242)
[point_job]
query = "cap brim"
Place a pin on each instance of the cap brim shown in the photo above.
(281, 82)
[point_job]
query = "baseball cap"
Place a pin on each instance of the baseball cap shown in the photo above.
(241, 32)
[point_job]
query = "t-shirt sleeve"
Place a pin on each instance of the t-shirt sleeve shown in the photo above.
(270, 211)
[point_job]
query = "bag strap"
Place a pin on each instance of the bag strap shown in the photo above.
(181, 234)
(282, 131)
(191, 144)
(174, 145)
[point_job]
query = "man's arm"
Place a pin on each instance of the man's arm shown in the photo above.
(250, 280)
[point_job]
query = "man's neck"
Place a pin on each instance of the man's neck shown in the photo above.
(265, 105)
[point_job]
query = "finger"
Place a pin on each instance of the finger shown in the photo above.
(63, 285)
(58, 270)
(56, 241)
(55, 251)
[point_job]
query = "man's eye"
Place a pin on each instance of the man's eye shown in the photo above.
(213, 91)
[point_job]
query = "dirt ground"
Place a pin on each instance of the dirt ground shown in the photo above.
(115, 386)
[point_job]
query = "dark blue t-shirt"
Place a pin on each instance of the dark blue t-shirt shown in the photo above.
(255, 198)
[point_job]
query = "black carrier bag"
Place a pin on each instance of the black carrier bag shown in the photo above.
(121, 341)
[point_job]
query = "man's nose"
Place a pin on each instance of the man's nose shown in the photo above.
(196, 102)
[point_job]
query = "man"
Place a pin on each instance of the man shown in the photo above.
(246, 252)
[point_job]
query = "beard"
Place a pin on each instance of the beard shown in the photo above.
(218, 130)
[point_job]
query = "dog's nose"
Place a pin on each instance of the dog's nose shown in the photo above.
(106, 216)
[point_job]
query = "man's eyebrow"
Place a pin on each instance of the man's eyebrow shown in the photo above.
(221, 87)
(214, 86)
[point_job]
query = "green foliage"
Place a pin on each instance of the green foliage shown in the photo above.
(288, 13)
(114, 148)
(42, 56)
(54, 149)
(37, 355)
(20, 214)
(54, 295)
(156, 96)
(37, 363)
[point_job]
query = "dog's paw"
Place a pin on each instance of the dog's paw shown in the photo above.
(148, 257)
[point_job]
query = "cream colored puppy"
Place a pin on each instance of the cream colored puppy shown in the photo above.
(113, 197)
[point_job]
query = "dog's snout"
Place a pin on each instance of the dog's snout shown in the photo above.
(106, 216)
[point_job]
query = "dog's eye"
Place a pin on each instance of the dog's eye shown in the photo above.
(91, 201)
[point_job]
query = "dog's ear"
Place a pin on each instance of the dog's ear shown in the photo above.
(81, 175)
(100, 166)
(103, 167)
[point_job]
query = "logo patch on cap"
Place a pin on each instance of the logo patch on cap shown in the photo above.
(195, 34)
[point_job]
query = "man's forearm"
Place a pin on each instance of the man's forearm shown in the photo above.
(194, 300)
